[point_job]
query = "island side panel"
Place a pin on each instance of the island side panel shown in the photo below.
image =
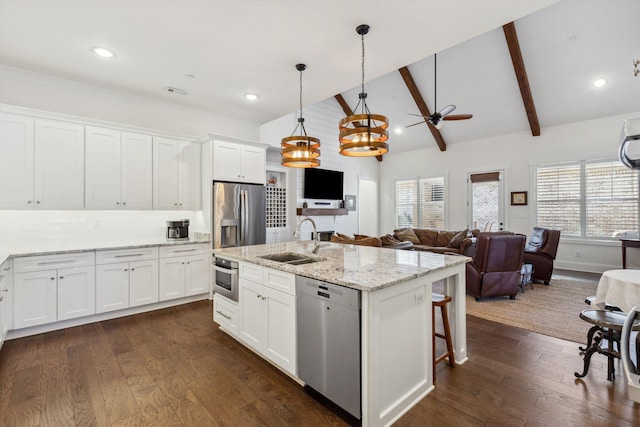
(456, 287)
(396, 350)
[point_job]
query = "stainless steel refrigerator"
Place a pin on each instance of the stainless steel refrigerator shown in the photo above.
(239, 212)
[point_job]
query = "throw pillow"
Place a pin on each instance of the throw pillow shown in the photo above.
(389, 240)
(458, 238)
(536, 241)
(407, 235)
(427, 237)
(444, 237)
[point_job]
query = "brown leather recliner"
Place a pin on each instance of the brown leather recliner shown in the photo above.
(495, 269)
(541, 252)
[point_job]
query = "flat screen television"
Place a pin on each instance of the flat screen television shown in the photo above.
(323, 184)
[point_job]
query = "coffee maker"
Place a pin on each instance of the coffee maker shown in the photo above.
(178, 230)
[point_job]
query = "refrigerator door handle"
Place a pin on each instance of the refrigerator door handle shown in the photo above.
(243, 214)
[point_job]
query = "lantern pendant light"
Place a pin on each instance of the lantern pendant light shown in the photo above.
(300, 151)
(363, 134)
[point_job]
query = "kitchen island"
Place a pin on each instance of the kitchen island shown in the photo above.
(396, 329)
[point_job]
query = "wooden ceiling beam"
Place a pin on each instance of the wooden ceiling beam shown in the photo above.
(521, 74)
(347, 111)
(422, 106)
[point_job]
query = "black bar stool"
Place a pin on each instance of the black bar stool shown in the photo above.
(439, 300)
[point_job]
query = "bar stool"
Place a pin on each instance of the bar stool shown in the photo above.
(439, 300)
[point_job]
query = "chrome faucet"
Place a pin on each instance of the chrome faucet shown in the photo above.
(316, 245)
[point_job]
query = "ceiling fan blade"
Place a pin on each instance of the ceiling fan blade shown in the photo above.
(458, 117)
(447, 110)
(420, 115)
(415, 124)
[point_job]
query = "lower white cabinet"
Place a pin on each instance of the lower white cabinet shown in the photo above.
(48, 288)
(184, 271)
(127, 283)
(268, 319)
(6, 295)
(225, 314)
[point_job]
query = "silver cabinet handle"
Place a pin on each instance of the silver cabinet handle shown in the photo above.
(186, 250)
(53, 278)
(223, 315)
(38, 202)
(124, 203)
(62, 277)
(64, 261)
(1, 298)
(29, 201)
(127, 255)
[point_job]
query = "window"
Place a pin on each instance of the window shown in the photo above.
(420, 203)
(588, 199)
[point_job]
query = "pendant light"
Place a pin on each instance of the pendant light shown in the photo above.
(300, 151)
(363, 134)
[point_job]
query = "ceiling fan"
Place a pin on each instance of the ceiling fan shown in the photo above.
(436, 118)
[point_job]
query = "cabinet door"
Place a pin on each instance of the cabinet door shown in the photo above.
(165, 173)
(143, 282)
(280, 345)
(227, 161)
(6, 287)
(172, 278)
(253, 314)
(112, 287)
(254, 164)
(35, 298)
(190, 176)
(16, 162)
(59, 165)
(136, 161)
(102, 175)
(76, 292)
(197, 274)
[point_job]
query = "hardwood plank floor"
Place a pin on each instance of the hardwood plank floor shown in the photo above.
(174, 367)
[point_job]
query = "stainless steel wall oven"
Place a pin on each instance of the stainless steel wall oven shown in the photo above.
(226, 278)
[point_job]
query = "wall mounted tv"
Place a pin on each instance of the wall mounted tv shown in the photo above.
(323, 184)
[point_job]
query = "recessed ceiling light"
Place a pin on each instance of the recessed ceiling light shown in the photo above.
(102, 52)
(251, 96)
(599, 82)
(398, 130)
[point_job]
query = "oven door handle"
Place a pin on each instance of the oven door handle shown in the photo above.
(231, 271)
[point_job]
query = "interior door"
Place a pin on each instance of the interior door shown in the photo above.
(368, 206)
(486, 200)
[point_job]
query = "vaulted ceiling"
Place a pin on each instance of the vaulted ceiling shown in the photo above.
(233, 47)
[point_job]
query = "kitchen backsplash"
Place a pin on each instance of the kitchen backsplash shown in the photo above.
(20, 224)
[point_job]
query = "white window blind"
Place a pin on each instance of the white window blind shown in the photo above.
(587, 199)
(420, 203)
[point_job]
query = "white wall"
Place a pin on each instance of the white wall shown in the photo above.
(321, 121)
(516, 154)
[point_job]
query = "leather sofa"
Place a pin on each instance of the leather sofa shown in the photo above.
(437, 241)
(541, 251)
(495, 267)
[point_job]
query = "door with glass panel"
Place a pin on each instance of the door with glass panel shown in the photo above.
(486, 200)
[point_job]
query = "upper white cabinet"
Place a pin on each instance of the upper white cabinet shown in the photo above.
(176, 174)
(59, 165)
(118, 169)
(238, 162)
(16, 162)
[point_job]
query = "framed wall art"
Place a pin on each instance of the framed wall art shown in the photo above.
(518, 198)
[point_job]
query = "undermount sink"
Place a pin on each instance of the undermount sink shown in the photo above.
(291, 258)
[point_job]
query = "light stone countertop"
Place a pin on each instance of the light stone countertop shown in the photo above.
(358, 267)
(49, 246)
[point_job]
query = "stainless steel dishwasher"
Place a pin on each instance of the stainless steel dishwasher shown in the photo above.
(328, 340)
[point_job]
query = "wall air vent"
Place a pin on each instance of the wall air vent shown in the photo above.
(176, 90)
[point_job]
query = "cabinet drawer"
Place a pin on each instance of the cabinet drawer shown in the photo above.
(251, 272)
(125, 255)
(225, 314)
(280, 281)
(47, 262)
(181, 250)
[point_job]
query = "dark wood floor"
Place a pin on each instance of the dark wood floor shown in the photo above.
(174, 367)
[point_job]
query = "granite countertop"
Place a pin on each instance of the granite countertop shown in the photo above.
(50, 246)
(358, 267)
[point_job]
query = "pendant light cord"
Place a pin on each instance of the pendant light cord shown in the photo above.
(435, 83)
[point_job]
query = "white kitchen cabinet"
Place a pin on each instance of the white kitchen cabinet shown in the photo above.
(59, 165)
(268, 317)
(48, 288)
(16, 161)
(278, 235)
(176, 174)
(6, 299)
(118, 169)
(126, 278)
(184, 271)
(225, 314)
(238, 162)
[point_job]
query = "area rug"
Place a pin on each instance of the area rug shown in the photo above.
(549, 310)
